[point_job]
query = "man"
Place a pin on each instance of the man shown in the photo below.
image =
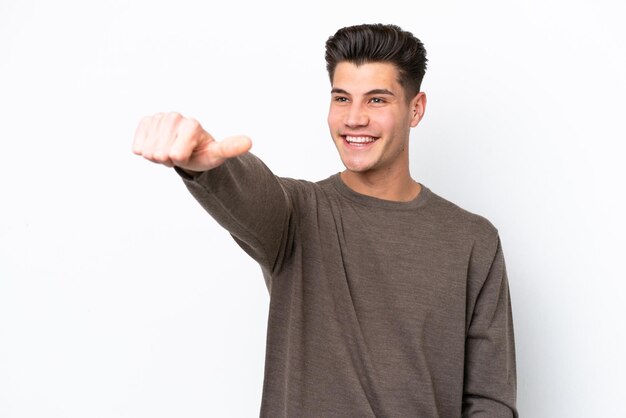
(386, 300)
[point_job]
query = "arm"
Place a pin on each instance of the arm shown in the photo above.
(235, 187)
(245, 198)
(490, 375)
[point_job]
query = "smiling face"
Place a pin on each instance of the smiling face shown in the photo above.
(370, 118)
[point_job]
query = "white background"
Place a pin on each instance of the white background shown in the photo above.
(120, 297)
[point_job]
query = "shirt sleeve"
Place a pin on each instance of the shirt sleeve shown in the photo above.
(490, 372)
(248, 200)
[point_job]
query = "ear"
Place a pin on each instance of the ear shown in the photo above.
(418, 107)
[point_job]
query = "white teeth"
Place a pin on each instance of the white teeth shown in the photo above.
(359, 139)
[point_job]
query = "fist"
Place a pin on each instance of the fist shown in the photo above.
(174, 140)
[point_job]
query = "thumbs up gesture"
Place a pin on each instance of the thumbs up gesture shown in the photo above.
(174, 140)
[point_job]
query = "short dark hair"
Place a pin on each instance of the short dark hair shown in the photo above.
(370, 43)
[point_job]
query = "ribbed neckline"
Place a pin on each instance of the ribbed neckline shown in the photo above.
(419, 201)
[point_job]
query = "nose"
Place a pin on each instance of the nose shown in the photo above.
(356, 116)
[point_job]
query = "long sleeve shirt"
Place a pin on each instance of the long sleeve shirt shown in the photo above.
(377, 308)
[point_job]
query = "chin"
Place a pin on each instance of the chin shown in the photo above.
(357, 167)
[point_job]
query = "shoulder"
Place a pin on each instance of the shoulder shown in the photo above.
(459, 223)
(457, 216)
(298, 188)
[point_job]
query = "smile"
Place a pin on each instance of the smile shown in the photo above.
(357, 140)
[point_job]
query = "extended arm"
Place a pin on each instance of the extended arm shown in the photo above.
(234, 186)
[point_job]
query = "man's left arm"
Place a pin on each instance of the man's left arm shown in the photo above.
(490, 374)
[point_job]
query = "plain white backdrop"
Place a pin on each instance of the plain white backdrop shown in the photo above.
(120, 297)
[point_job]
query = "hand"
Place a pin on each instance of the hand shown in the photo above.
(174, 140)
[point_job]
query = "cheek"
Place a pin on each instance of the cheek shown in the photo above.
(387, 122)
(334, 118)
(397, 123)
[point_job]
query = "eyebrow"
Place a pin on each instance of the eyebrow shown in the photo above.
(369, 93)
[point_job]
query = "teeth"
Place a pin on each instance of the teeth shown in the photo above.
(359, 139)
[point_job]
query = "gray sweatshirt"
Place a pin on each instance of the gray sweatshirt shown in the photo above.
(377, 308)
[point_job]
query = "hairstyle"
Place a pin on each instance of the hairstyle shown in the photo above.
(369, 43)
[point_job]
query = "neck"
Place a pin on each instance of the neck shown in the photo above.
(386, 185)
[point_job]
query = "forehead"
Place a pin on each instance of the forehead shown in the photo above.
(365, 77)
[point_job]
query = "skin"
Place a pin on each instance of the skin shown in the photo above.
(367, 101)
(174, 140)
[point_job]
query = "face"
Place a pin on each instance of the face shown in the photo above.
(370, 118)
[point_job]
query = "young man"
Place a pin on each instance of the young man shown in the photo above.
(386, 300)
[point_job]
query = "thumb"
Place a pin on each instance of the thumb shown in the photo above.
(233, 146)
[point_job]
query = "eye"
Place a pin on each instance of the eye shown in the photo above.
(377, 100)
(340, 99)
